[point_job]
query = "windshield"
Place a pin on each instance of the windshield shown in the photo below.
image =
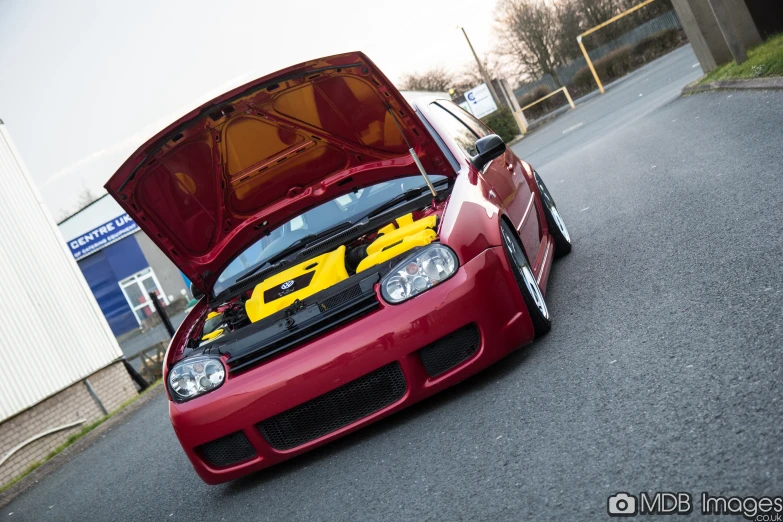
(347, 207)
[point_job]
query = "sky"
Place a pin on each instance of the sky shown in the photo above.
(84, 84)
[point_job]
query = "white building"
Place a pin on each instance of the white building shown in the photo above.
(63, 365)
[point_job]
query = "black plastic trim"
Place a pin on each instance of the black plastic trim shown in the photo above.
(451, 350)
(301, 322)
(257, 352)
(227, 451)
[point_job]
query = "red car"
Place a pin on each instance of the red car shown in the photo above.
(354, 253)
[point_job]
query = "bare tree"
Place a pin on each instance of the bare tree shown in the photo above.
(598, 11)
(437, 79)
(529, 35)
(571, 24)
(470, 76)
(86, 196)
(61, 215)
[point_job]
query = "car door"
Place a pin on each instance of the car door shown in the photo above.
(510, 182)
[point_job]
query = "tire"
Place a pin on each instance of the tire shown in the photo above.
(526, 281)
(554, 220)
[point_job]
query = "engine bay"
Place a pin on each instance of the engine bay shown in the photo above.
(274, 304)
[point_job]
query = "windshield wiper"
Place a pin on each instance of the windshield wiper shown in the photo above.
(399, 198)
(408, 195)
(293, 247)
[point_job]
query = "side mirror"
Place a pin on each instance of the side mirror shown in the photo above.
(489, 148)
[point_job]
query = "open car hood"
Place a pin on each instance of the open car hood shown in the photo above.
(216, 180)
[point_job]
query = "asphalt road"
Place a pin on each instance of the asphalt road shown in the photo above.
(662, 371)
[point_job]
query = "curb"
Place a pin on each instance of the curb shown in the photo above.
(62, 458)
(760, 84)
(516, 140)
(543, 120)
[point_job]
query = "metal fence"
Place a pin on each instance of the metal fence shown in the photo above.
(665, 22)
(144, 348)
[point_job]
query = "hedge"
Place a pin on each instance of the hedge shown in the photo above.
(502, 123)
(622, 61)
(542, 108)
(609, 67)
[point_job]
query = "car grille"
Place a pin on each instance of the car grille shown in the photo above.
(335, 409)
(228, 450)
(343, 297)
(347, 305)
(447, 352)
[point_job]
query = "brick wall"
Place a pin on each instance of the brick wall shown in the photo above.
(112, 385)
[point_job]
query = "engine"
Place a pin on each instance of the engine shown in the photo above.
(280, 291)
(319, 273)
(226, 318)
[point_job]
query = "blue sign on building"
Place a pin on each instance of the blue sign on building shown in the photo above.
(102, 236)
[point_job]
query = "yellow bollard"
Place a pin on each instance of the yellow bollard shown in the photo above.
(565, 90)
(568, 97)
(600, 26)
(590, 65)
(520, 121)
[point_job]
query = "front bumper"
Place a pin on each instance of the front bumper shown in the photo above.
(482, 293)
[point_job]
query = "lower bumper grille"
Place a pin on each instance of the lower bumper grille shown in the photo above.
(447, 352)
(228, 450)
(335, 409)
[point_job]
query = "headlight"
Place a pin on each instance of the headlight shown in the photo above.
(418, 273)
(194, 376)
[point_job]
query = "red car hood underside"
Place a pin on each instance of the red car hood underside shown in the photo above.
(215, 181)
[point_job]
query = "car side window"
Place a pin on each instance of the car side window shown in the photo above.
(476, 125)
(466, 139)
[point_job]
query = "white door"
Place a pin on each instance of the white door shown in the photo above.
(136, 290)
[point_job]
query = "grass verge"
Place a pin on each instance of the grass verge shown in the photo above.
(76, 436)
(764, 61)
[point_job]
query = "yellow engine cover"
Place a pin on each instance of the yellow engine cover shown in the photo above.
(298, 282)
(401, 221)
(394, 242)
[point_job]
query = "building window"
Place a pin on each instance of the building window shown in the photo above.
(136, 290)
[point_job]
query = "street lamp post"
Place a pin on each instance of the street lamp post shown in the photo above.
(482, 70)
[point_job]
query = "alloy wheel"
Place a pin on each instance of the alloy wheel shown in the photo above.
(554, 220)
(523, 267)
(559, 222)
